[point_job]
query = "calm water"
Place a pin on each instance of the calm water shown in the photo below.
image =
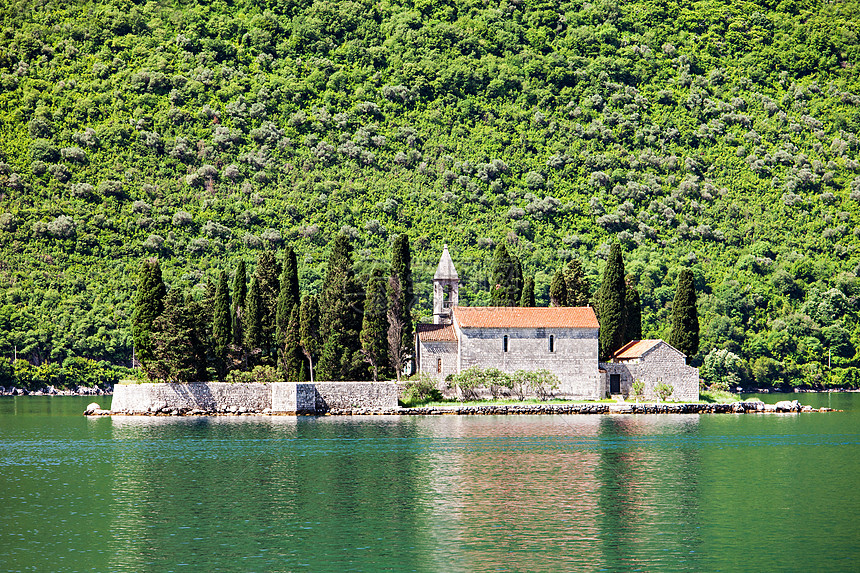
(541, 493)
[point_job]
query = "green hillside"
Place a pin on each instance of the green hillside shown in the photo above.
(719, 136)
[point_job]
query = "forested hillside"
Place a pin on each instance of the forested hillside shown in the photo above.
(720, 136)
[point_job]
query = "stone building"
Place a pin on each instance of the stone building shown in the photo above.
(651, 361)
(561, 340)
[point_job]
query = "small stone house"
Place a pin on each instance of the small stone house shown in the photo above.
(651, 361)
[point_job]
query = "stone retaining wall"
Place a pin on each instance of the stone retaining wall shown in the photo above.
(281, 397)
(340, 395)
(206, 396)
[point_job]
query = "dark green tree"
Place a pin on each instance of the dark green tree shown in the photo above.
(612, 297)
(528, 297)
(517, 281)
(504, 282)
(290, 363)
(222, 328)
(148, 306)
(288, 296)
(398, 354)
(340, 317)
(374, 326)
(309, 331)
(632, 314)
(685, 317)
(401, 267)
(577, 288)
(252, 321)
(558, 289)
(180, 354)
(267, 272)
(240, 293)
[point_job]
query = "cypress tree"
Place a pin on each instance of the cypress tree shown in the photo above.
(401, 267)
(288, 296)
(180, 355)
(291, 354)
(578, 291)
(528, 297)
(148, 306)
(340, 317)
(612, 299)
(222, 332)
(309, 331)
(558, 289)
(397, 353)
(252, 321)
(633, 314)
(503, 282)
(240, 293)
(201, 322)
(517, 280)
(685, 318)
(267, 272)
(374, 326)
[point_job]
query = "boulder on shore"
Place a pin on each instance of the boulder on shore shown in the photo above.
(788, 406)
(94, 409)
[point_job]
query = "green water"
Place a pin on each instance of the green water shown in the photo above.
(531, 493)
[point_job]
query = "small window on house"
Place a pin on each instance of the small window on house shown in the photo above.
(438, 366)
(505, 343)
(551, 343)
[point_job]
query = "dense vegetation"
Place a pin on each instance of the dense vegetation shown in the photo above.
(715, 136)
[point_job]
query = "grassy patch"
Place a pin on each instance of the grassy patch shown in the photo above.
(718, 397)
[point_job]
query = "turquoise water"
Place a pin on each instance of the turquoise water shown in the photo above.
(482, 493)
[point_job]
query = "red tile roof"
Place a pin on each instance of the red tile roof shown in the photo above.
(437, 333)
(635, 349)
(534, 317)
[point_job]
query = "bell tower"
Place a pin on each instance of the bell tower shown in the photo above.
(446, 285)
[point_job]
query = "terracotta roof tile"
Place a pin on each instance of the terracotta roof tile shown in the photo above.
(516, 317)
(635, 349)
(437, 333)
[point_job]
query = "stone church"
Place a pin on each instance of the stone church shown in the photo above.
(562, 340)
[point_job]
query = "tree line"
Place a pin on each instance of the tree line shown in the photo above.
(616, 302)
(348, 332)
(351, 331)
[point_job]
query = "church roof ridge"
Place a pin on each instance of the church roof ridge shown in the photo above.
(446, 270)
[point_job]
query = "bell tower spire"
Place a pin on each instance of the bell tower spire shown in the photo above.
(446, 285)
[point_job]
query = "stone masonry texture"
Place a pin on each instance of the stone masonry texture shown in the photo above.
(282, 397)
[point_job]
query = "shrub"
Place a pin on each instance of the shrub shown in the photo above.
(62, 227)
(638, 389)
(663, 390)
(261, 374)
(468, 382)
(419, 390)
(542, 383)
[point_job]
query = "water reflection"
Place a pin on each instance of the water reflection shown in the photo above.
(649, 492)
(550, 493)
(453, 493)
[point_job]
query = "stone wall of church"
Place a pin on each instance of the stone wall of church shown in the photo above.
(573, 357)
(438, 360)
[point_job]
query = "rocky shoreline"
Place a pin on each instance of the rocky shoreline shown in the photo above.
(750, 407)
(51, 391)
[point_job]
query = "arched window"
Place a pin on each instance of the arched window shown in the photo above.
(505, 343)
(551, 343)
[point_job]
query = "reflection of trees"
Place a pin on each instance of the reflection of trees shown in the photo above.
(218, 492)
(648, 496)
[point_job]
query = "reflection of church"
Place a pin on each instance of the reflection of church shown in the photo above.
(562, 340)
